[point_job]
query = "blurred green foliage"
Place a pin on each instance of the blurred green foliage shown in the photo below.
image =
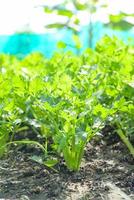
(116, 22)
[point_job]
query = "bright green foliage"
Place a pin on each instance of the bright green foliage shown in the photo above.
(68, 99)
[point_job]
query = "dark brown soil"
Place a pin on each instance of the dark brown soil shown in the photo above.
(103, 163)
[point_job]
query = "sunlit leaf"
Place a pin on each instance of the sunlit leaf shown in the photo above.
(61, 45)
(65, 12)
(50, 162)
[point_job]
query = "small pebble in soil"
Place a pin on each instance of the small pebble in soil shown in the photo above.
(24, 197)
(37, 190)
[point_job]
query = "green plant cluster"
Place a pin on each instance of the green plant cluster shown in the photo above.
(68, 99)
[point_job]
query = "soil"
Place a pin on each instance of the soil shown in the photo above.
(107, 172)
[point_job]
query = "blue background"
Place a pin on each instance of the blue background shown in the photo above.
(24, 43)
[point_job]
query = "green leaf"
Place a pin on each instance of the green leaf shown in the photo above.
(48, 10)
(37, 159)
(77, 41)
(65, 12)
(119, 22)
(60, 26)
(79, 6)
(122, 25)
(76, 21)
(61, 45)
(56, 25)
(116, 18)
(50, 162)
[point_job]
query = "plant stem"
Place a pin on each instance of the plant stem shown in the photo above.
(126, 141)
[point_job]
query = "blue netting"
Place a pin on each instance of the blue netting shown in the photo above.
(22, 44)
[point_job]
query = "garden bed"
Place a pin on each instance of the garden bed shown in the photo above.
(66, 124)
(104, 169)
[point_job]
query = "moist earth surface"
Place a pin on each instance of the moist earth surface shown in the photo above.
(107, 172)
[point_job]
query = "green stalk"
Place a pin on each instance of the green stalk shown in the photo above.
(126, 141)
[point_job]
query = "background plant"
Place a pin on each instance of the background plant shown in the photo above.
(70, 10)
